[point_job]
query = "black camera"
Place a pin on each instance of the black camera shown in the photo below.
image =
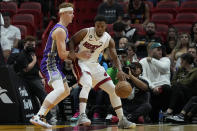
(121, 51)
(132, 66)
(30, 49)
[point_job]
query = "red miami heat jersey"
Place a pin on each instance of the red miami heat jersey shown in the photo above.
(94, 44)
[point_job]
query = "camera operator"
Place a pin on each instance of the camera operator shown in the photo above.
(28, 69)
(136, 107)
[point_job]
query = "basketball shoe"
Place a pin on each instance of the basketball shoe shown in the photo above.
(39, 120)
(125, 124)
(83, 120)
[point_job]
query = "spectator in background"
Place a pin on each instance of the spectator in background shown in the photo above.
(26, 64)
(11, 33)
(184, 41)
(193, 34)
(156, 69)
(184, 88)
(139, 12)
(112, 11)
(186, 114)
(123, 42)
(193, 52)
(171, 40)
(130, 32)
(131, 51)
(140, 107)
(143, 40)
(118, 28)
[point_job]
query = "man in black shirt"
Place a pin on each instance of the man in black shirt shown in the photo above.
(143, 40)
(112, 11)
(136, 107)
(28, 69)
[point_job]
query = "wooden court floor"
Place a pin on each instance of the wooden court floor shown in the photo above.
(161, 127)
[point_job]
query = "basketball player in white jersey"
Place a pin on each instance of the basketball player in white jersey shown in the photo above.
(90, 73)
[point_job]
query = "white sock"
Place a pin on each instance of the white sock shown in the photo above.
(82, 107)
(43, 111)
(119, 113)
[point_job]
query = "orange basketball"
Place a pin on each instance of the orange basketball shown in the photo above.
(123, 89)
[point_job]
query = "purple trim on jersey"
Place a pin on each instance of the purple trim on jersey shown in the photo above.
(51, 64)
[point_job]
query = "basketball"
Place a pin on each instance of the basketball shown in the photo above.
(123, 89)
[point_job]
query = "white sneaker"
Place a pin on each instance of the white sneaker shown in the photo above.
(38, 120)
(125, 124)
(83, 120)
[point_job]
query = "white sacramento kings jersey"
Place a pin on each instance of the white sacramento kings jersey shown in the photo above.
(94, 44)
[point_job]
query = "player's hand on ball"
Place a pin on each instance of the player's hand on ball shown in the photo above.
(84, 55)
(121, 76)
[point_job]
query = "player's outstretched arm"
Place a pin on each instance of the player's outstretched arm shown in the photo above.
(112, 50)
(60, 36)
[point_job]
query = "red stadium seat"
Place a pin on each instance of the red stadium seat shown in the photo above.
(138, 27)
(31, 5)
(110, 28)
(166, 7)
(10, 7)
(33, 8)
(186, 18)
(183, 27)
(189, 4)
(23, 30)
(162, 18)
(35, 13)
(168, 4)
(162, 28)
(25, 19)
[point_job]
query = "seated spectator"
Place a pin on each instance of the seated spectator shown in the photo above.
(143, 40)
(171, 40)
(130, 32)
(131, 51)
(139, 12)
(140, 107)
(193, 34)
(156, 69)
(191, 50)
(118, 28)
(112, 11)
(184, 86)
(26, 64)
(184, 41)
(11, 33)
(123, 42)
(186, 114)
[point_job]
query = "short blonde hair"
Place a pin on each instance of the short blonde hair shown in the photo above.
(65, 4)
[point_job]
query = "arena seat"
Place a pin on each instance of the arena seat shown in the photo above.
(189, 18)
(162, 28)
(181, 27)
(25, 19)
(138, 27)
(23, 30)
(33, 8)
(162, 18)
(10, 7)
